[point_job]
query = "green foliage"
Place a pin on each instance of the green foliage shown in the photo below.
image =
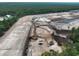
(75, 35)
(69, 52)
(46, 54)
(71, 49)
(22, 11)
(2, 29)
(50, 53)
(6, 24)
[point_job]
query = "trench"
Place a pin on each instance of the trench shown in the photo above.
(27, 43)
(28, 40)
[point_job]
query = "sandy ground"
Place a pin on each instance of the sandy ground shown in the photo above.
(44, 35)
(12, 43)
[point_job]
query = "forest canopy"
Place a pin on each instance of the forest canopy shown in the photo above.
(19, 11)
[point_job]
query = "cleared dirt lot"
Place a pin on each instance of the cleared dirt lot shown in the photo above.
(13, 42)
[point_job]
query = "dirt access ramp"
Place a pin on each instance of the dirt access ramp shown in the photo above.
(12, 43)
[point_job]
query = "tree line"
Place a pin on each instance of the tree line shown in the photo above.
(22, 11)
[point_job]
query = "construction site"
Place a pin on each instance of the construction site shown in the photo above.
(34, 34)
